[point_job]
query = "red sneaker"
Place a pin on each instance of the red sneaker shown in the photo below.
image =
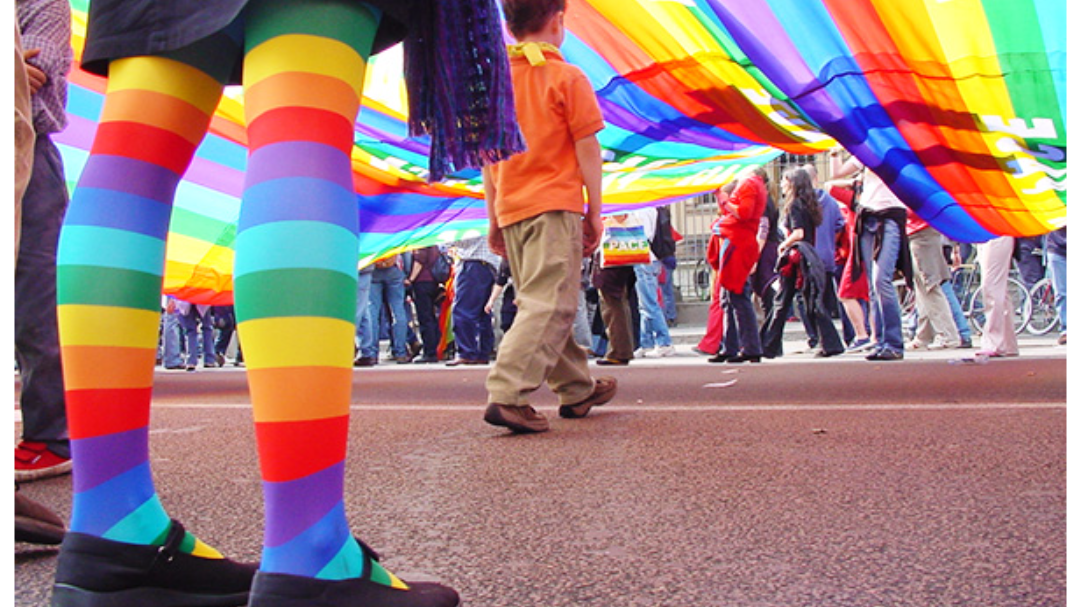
(34, 461)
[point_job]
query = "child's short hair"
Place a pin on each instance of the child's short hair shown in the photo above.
(525, 17)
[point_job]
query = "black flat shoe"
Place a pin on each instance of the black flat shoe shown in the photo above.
(96, 572)
(283, 590)
(745, 358)
(885, 354)
(719, 358)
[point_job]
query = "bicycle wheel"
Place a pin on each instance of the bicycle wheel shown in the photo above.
(703, 280)
(1043, 318)
(1020, 304)
(974, 311)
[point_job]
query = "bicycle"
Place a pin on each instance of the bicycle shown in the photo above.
(967, 284)
(1044, 317)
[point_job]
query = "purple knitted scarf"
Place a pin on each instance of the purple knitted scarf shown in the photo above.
(459, 85)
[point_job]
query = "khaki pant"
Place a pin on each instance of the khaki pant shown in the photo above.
(24, 134)
(545, 256)
(934, 315)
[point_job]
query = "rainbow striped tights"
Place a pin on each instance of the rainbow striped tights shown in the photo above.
(295, 275)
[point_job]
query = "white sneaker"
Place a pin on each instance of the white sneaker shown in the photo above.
(666, 351)
(643, 353)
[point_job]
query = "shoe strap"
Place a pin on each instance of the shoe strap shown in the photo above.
(31, 453)
(171, 547)
(367, 550)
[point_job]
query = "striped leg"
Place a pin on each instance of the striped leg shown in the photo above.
(110, 261)
(296, 274)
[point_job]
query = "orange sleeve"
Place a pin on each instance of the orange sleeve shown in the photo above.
(582, 110)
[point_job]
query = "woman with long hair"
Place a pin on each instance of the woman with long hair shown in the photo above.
(799, 267)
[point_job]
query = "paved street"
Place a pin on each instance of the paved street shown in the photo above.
(797, 482)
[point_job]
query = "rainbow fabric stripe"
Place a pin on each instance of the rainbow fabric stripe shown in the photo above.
(959, 105)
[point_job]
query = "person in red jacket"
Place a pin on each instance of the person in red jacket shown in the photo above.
(739, 252)
(710, 344)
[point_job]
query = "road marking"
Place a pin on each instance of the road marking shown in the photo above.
(819, 407)
(713, 408)
(661, 408)
(724, 384)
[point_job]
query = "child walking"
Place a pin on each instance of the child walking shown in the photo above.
(535, 209)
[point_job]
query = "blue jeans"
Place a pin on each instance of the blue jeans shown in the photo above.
(653, 330)
(363, 320)
(424, 305)
(388, 287)
(1057, 264)
(667, 291)
(741, 334)
(198, 331)
(37, 344)
(474, 336)
(171, 340)
(956, 312)
(886, 313)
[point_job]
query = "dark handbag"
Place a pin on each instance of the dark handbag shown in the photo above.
(441, 268)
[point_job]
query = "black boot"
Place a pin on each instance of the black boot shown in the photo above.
(96, 572)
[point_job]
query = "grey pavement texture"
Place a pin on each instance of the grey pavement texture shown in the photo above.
(793, 483)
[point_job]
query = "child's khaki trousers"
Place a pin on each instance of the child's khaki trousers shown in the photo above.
(545, 258)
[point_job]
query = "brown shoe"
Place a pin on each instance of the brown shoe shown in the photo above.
(36, 524)
(517, 418)
(604, 390)
(613, 362)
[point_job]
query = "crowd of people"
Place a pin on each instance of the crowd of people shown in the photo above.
(803, 259)
(564, 283)
(835, 252)
(407, 312)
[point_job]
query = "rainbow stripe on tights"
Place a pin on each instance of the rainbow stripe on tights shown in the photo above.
(296, 274)
(109, 276)
(295, 278)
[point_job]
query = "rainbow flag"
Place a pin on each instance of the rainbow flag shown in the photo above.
(624, 245)
(959, 105)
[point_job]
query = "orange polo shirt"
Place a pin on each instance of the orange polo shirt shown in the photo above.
(556, 107)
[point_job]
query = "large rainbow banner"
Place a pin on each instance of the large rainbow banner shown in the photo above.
(959, 105)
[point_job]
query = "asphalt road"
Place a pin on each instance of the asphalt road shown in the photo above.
(792, 483)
